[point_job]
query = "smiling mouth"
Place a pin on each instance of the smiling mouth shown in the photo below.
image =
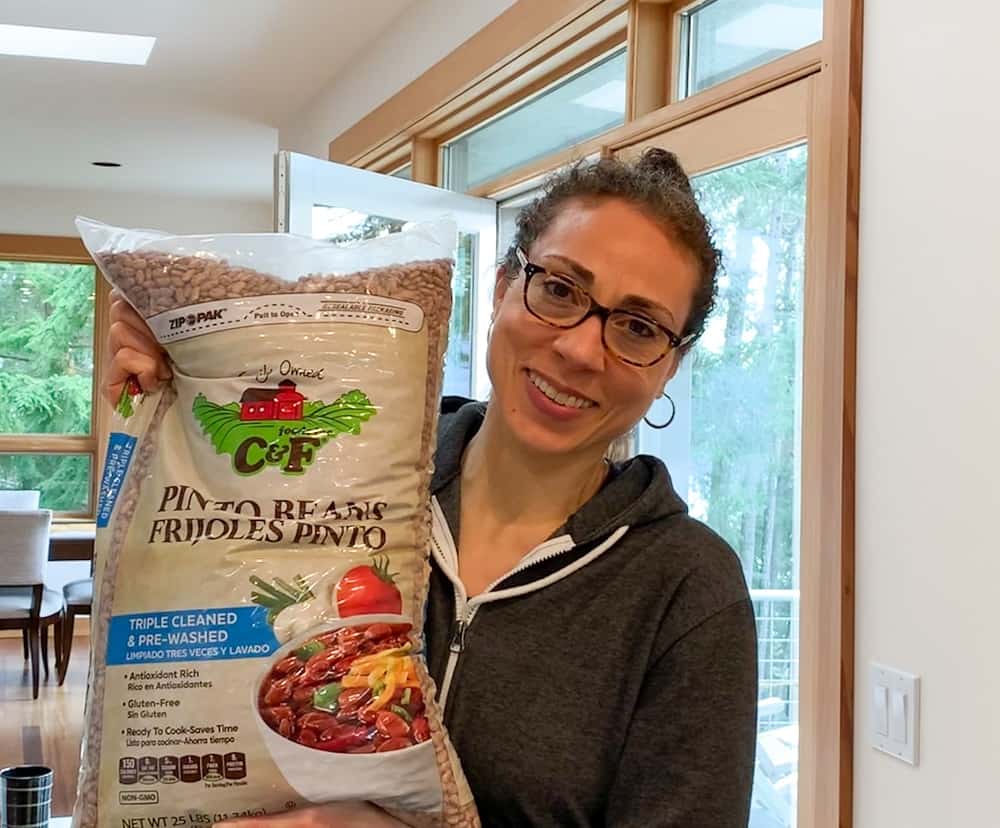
(559, 397)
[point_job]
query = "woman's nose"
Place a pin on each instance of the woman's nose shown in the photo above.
(583, 345)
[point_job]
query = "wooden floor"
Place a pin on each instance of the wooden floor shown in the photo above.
(46, 730)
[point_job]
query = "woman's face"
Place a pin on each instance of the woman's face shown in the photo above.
(620, 256)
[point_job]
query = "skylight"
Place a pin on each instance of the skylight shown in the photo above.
(67, 44)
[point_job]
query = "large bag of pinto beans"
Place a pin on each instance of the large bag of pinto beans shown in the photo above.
(263, 531)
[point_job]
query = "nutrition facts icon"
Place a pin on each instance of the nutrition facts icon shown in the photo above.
(168, 769)
(211, 767)
(128, 770)
(149, 770)
(235, 765)
(190, 769)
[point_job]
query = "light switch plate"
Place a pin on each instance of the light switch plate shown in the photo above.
(895, 712)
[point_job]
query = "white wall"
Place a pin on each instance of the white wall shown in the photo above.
(426, 32)
(46, 212)
(928, 558)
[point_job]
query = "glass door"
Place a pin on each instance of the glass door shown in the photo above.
(734, 448)
(339, 203)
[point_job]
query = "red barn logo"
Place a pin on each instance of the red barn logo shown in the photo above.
(281, 403)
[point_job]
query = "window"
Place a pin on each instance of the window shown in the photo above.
(777, 356)
(47, 381)
(405, 172)
(735, 456)
(586, 104)
(724, 38)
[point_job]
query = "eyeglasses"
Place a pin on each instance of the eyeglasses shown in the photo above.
(558, 300)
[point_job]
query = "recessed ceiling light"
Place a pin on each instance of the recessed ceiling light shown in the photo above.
(68, 44)
(105, 163)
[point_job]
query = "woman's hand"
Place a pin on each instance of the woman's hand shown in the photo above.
(334, 815)
(132, 350)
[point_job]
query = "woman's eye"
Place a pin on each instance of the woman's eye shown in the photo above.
(559, 289)
(639, 328)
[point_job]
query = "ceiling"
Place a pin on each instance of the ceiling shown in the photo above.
(200, 118)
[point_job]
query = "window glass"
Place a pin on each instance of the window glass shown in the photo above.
(46, 347)
(724, 38)
(733, 448)
(588, 103)
(62, 479)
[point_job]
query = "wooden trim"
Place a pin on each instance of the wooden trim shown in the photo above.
(59, 249)
(674, 50)
(826, 775)
(544, 66)
(47, 444)
(753, 127)
(760, 81)
(649, 48)
(493, 55)
(753, 84)
(425, 161)
(388, 164)
(530, 83)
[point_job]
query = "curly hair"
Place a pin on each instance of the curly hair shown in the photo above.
(657, 185)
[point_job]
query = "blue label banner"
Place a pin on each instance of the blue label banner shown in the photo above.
(190, 635)
(120, 450)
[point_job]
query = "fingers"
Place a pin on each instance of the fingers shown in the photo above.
(122, 311)
(128, 361)
(132, 349)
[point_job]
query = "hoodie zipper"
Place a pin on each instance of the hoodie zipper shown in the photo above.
(446, 556)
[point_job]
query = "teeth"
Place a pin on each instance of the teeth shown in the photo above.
(560, 397)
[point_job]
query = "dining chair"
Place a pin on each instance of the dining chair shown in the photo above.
(19, 499)
(25, 602)
(78, 596)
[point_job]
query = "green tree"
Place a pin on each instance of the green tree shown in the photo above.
(745, 383)
(46, 373)
(745, 374)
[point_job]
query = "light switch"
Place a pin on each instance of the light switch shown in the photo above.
(881, 710)
(895, 712)
(897, 716)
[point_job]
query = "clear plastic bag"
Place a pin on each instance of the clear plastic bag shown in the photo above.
(263, 530)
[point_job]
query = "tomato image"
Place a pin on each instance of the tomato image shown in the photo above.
(369, 589)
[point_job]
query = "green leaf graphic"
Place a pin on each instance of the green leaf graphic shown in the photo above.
(227, 432)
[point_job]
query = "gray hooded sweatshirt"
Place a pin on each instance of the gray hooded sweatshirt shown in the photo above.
(611, 677)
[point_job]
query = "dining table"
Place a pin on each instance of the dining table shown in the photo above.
(72, 542)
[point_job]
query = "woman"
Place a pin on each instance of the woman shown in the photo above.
(593, 644)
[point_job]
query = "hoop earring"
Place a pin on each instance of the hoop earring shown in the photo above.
(673, 413)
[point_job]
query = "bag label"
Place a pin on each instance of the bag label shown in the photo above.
(116, 463)
(190, 635)
(280, 309)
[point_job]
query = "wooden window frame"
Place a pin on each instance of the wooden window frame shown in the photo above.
(494, 66)
(67, 250)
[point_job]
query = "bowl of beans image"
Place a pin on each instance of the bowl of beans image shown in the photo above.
(341, 705)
